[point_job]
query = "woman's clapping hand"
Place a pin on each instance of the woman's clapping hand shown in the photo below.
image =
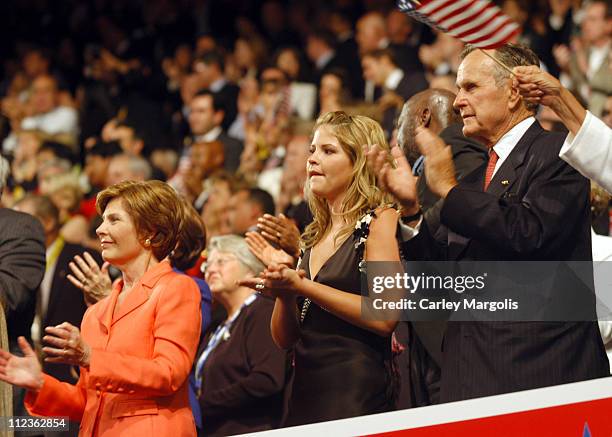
(267, 254)
(23, 371)
(66, 345)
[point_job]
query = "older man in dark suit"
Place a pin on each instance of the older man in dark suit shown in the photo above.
(524, 204)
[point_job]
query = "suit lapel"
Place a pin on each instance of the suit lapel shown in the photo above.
(142, 290)
(139, 295)
(501, 182)
(105, 309)
(507, 175)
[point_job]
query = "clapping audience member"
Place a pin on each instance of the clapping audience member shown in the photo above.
(526, 228)
(240, 373)
(144, 356)
(317, 313)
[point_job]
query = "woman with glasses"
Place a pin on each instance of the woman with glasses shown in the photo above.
(240, 373)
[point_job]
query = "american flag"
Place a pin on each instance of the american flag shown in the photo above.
(476, 22)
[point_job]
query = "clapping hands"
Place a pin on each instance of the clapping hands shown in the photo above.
(66, 345)
(281, 231)
(396, 179)
(93, 280)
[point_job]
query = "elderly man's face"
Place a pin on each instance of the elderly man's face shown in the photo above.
(483, 105)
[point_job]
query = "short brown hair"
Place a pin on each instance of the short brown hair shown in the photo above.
(191, 241)
(155, 209)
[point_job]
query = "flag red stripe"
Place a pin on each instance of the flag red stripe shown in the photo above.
(475, 38)
(455, 9)
(469, 32)
(468, 17)
(434, 6)
(477, 22)
(498, 40)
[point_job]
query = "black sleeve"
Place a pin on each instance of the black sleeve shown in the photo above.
(22, 259)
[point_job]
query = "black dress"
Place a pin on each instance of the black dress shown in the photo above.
(340, 369)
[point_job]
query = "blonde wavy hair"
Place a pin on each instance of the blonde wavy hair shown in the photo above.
(362, 194)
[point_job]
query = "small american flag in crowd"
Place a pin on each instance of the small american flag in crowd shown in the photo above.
(476, 22)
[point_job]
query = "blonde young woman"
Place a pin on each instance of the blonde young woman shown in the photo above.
(342, 361)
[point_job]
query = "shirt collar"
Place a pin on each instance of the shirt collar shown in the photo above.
(209, 136)
(324, 59)
(394, 78)
(510, 139)
(217, 85)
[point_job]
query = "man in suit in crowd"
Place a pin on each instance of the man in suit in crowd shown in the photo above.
(433, 109)
(381, 68)
(210, 67)
(206, 114)
(22, 265)
(525, 204)
(322, 51)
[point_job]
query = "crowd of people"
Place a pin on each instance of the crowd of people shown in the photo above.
(268, 150)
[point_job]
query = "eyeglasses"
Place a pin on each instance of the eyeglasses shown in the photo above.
(220, 261)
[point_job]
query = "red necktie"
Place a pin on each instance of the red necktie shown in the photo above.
(490, 168)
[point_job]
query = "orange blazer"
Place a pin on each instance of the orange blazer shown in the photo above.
(136, 384)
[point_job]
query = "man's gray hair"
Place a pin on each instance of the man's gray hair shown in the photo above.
(140, 166)
(237, 246)
(511, 55)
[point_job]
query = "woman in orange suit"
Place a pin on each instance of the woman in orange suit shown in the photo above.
(136, 347)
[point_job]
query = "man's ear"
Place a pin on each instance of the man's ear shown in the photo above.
(425, 117)
(514, 98)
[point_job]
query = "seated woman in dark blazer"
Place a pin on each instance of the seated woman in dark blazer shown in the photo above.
(240, 373)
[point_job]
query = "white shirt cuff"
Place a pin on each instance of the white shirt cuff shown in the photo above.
(409, 232)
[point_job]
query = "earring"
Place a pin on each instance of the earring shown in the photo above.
(147, 242)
